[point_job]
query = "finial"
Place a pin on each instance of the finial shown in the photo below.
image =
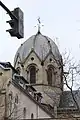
(39, 24)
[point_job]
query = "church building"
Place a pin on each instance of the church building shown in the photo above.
(33, 87)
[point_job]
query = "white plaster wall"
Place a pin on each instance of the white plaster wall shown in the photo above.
(25, 101)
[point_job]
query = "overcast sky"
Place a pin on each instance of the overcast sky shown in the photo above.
(61, 19)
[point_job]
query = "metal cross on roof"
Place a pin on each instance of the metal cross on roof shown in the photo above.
(39, 27)
(39, 24)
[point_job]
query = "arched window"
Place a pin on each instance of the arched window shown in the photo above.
(16, 99)
(24, 112)
(32, 116)
(32, 74)
(50, 75)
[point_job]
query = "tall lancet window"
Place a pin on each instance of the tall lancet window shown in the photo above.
(32, 74)
(50, 75)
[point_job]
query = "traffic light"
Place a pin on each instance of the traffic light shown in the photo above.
(16, 23)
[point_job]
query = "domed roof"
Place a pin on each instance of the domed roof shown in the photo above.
(40, 44)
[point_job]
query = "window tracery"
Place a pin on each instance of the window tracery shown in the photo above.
(50, 75)
(32, 73)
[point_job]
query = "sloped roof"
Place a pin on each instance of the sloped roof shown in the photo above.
(67, 101)
(41, 45)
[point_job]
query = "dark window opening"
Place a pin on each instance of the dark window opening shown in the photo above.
(32, 74)
(32, 116)
(16, 99)
(24, 112)
(42, 63)
(32, 58)
(50, 59)
(50, 75)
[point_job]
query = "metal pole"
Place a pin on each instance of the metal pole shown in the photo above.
(8, 11)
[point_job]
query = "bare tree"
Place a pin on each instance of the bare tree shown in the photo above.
(71, 75)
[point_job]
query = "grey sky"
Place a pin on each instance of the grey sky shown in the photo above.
(61, 19)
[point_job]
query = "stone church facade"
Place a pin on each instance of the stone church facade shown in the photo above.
(33, 88)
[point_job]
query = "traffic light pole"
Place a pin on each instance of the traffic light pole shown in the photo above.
(16, 23)
(8, 11)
